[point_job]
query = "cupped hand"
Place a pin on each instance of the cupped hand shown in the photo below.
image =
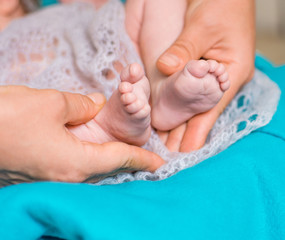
(34, 139)
(214, 29)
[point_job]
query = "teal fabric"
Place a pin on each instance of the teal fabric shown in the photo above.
(45, 3)
(276, 127)
(238, 194)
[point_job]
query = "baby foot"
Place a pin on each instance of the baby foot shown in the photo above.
(126, 116)
(195, 89)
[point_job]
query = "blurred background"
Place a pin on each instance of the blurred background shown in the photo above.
(270, 16)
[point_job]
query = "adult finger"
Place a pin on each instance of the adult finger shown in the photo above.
(175, 138)
(163, 135)
(188, 46)
(197, 131)
(80, 109)
(116, 156)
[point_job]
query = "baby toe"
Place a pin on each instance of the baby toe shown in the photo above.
(136, 72)
(128, 98)
(125, 87)
(225, 85)
(132, 73)
(224, 77)
(197, 68)
(212, 65)
(220, 70)
(143, 113)
(135, 106)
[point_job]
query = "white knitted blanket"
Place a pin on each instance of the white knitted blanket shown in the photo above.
(75, 48)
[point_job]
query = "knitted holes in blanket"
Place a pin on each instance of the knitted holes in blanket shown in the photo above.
(78, 49)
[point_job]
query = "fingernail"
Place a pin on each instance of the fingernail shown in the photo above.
(98, 98)
(170, 60)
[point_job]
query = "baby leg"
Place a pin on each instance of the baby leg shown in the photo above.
(195, 89)
(126, 116)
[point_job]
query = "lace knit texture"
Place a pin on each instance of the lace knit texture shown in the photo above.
(76, 48)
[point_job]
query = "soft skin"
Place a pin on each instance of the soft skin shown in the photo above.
(35, 141)
(34, 138)
(214, 29)
(176, 98)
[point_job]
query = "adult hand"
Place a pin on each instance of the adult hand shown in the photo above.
(214, 29)
(34, 139)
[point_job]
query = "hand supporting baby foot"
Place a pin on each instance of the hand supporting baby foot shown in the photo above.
(195, 89)
(231, 42)
(53, 153)
(126, 116)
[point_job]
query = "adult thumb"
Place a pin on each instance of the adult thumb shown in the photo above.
(187, 47)
(108, 159)
(80, 108)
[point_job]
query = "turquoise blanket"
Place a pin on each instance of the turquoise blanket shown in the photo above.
(238, 194)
